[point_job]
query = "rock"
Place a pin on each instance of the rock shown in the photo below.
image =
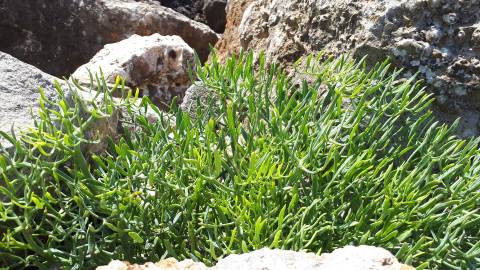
(168, 264)
(230, 41)
(200, 93)
(270, 259)
(360, 258)
(19, 97)
(19, 94)
(440, 39)
(59, 36)
(215, 14)
(157, 65)
(347, 258)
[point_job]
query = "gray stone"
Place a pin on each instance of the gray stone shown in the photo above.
(19, 100)
(200, 94)
(19, 93)
(59, 36)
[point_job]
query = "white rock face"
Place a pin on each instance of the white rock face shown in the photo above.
(156, 64)
(168, 264)
(19, 102)
(19, 94)
(361, 258)
(270, 259)
(347, 258)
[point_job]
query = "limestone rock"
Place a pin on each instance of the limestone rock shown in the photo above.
(439, 39)
(168, 264)
(270, 259)
(360, 258)
(59, 36)
(157, 65)
(201, 94)
(347, 258)
(19, 100)
(19, 93)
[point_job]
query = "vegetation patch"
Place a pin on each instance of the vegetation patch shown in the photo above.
(352, 157)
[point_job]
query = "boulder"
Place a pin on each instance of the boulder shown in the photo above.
(19, 99)
(439, 39)
(19, 93)
(156, 65)
(59, 36)
(199, 94)
(347, 258)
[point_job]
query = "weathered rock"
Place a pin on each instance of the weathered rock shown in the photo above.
(361, 258)
(168, 264)
(201, 94)
(230, 41)
(19, 93)
(157, 65)
(347, 258)
(215, 14)
(59, 36)
(439, 39)
(19, 100)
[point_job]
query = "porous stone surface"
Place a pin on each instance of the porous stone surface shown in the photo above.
(347, 258)
(157, 65)
(59, 36)
(19, 93)
(230, 41)
(167, 264)
(440, 39)
(19, 100)
(201, 95)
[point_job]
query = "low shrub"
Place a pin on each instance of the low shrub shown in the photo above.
(351, 156)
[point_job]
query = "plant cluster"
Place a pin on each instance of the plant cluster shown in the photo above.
(353, 156)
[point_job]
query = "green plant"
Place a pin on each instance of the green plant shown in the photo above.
(354, 157)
